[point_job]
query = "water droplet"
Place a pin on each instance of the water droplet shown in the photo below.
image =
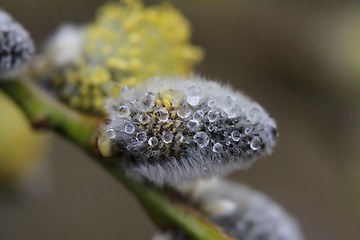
(144, 118)
(192, 124)
(211, 128)
(247, 130)
(184, 111)
(255, 143)
(123, 111)
(153, 141)
(254, 113)
(141, 137)
(218, 148)
(229, 106)
(193, 101)
(235, 135)
(163, 115)
(194, 95)
(213, 115)
(198, 115)
(211, 103)
(129, 128)
(111, 133)
(202, 139)
(167, 137)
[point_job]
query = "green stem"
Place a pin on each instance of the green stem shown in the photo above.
(171, 213)
(44, 111)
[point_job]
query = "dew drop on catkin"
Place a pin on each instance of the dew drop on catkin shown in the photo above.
(190, 129)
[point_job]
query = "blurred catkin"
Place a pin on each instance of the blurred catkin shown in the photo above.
(126, 44)
(16, 46)
(242, 212)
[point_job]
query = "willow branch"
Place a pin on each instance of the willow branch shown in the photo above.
(43, 111)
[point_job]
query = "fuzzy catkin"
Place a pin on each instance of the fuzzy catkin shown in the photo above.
(127, 43)
(16, 46)
(247, 214)
(243, 213)
(175, 130)
(63, 48)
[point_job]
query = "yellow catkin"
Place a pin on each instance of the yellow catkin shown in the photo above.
(129, 43)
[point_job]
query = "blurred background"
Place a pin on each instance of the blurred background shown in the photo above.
(299, 59)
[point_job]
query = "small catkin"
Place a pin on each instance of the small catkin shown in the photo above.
(243, 213)
(16, 46)
(63, 48)
(176, 130)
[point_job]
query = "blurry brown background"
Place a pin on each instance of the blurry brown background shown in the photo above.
(288, 55)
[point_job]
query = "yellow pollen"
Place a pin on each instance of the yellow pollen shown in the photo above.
(153, 115)
(158, 103)
(128, 43)
(167, 104)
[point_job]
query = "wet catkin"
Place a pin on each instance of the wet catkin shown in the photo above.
(174, 130)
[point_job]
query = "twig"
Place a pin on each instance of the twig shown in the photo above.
(43, 111)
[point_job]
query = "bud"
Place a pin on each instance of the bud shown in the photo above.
(64, 47)
(16, 46)
(174, 130)
(243, 213)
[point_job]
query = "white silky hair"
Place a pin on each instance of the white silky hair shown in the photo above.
(65, 46)
(218, 130)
